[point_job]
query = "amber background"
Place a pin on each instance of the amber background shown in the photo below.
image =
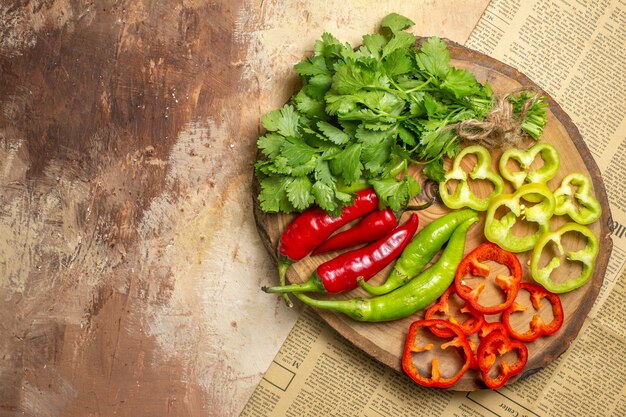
(130, 265)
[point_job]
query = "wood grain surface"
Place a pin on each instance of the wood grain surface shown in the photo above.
(130, 265)
(385, 341)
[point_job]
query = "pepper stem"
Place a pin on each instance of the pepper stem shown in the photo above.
(313, 284)
(420, 206)
(351, 307)
(395, 280)
(282, 273)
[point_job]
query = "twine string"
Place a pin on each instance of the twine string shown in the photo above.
(501, 128)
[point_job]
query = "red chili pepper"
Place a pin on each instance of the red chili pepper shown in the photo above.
(373, 226)
(435, 380)
(472, 264)
(537, 327)
(340, 274)
(313, 226)
(495, 345)
(441, 310)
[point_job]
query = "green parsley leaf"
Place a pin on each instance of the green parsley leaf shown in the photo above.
(460, 83)
(400, 40)
(299, 193)
(312, 66)
(334, 134)
(375, 155)
(324, 196)
(396, 193)
(347, 163)
(297, 152)
(433, 143)
(340, 104)
(374, 44)
(434, 108)
(396, 22)
(329, 47)
(283, 121)
(305, 168)
(406, 136)
(398, 62)
(350, 79)
(273, 196)
(318, 85)
(435, 171)
(309, 106)
(270, 144)
(434, 57)
(322, 172)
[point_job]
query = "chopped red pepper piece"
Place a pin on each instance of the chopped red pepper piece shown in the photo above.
(435, 380)
(441, 310)
(537, 327)
(495, 345)
(473, 265)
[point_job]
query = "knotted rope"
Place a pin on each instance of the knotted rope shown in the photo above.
(501, 128)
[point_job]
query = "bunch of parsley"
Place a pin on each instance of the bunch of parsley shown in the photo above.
(362, 116)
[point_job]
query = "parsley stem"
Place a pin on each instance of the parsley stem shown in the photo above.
(419, 87)
(384, 113)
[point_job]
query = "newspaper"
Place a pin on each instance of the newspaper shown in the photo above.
(318, 373)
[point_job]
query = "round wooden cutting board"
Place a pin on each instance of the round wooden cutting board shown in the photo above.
(385, 341)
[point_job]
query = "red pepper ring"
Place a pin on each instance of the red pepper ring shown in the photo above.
(537, 326)
(486, 329)
(497, 344)
(442, 308)
(435, 379)
(472, 264)
(492, 326)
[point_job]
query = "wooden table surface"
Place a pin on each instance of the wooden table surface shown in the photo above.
(130, 266)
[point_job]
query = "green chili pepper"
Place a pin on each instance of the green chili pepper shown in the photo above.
(551, 163)
(413, 296)
(462, 195)
(586, 209)
(422, 249)
(500, 231)
(586, 256)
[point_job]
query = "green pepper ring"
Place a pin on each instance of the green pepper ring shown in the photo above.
(499, 232)
(462, 195)
(586, 256)
(551, 164)
(590, 209)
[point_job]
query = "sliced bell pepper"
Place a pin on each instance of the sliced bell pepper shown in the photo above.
(586, 209)
(435, 379)
(492, 326)
(551, 163)
(586, 256)
(495, 345)
(473, 264)
(500, 231)
(441, 310)
(537, 327)
(462, 195)
(486, 329)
